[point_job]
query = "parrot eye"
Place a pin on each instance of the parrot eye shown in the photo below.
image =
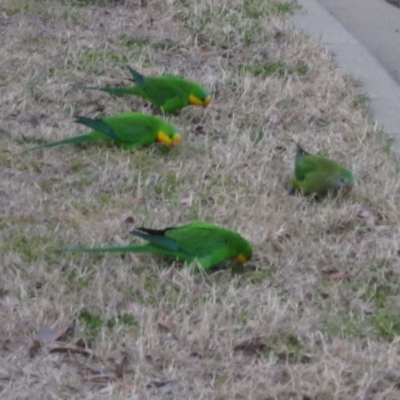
(343, 181)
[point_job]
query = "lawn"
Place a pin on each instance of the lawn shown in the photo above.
(315, 315)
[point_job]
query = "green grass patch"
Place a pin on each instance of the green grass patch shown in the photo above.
(92, 323)
(262, 8)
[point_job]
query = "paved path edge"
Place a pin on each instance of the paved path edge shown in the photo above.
(354, 59)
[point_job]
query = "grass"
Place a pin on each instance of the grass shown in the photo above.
(314, 315)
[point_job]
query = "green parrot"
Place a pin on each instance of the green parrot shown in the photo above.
(208, 243)
(318, 175)
(168, 92)
(130, 129)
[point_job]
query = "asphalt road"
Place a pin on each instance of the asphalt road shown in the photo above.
(365, 37)
(375, 24)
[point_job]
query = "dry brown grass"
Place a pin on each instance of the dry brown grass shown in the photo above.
(284, 328)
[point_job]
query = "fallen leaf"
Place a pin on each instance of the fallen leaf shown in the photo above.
(129, 220)
(165, 387)
(50, 335)
(355, 272)
(34, 349)
(283, 236)
(71, 350)
(100, 378)
(120, 363)
(368, 216)
(199, 130)
(280, 148)
(13, 346)
(336, 274)
(149, 359)
(251, 345)
(164, 321)
(119, 370)
(82, 344)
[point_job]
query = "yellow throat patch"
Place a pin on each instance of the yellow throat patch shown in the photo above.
(240, 258)
(162, 137)
(195, 101)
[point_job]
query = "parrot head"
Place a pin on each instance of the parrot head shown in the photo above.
(198, 96)
(245, 252)
(168, 135)
(343, 180)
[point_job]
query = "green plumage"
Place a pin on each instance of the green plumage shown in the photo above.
(168, 92)
(208, 243)
(319, 175)
(129, 129)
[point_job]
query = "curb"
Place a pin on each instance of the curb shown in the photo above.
(354, 59)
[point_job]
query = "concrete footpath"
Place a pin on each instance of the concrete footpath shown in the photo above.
(364, 35)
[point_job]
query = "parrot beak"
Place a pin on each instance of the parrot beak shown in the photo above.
(240, 258)
(175, 139)
(167, 140)
(207, 101)
(195, 101)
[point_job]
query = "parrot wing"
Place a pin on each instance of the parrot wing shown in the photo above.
(162, 90)
(304, 165)
(133, 128)
(97, 125)
(159, 90)
(138, 78)
(209, 244)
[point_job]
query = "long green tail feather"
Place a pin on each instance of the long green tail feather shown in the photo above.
(73, 140)
(140, 248)
(115, 91)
